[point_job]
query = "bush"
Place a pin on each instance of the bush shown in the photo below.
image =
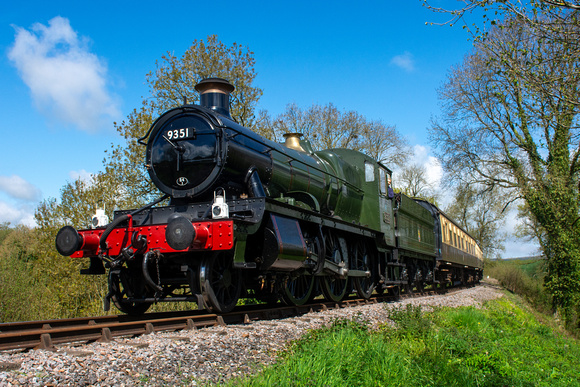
(19, 297)
(525, 280)
(37, 283)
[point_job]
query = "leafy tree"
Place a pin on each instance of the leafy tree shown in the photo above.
(15, 275)
(4, 231)
(481, 213)
(38, 284)
(124, 182)
(327, 127)
(174, 79)
(510, 119)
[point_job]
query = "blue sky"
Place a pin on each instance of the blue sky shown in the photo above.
(69, 69)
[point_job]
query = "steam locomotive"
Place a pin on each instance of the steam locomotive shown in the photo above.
(249, 217)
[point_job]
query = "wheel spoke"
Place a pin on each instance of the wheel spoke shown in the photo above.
(221, 285)
(364, 286)
(334, 288)
(298, 290)
(123, 283)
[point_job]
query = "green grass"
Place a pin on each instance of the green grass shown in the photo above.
(500, 345)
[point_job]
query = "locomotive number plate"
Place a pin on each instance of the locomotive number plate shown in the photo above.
(179, 134)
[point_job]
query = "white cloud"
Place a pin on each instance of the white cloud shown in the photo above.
(66, 80)
(420, 154)
(434, 171)
(19, 214)
(18, 188)
(422, 157)
(404, 61)
(82, 174)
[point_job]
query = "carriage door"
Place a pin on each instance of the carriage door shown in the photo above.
(386, 203)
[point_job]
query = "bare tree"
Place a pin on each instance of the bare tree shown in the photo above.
(413, 181)
(481, 213)
(493, 9)
(511, 118)
(327, 127)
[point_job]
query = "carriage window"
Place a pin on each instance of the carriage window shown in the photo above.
(369, 172)
(383, 180)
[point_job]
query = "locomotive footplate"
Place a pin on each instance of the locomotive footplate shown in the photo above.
(249, 211)
(208, 235)
(161, 228)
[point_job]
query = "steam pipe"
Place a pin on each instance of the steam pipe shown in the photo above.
(115, 223)
(111, 227)
(146, 275)
(255, 187)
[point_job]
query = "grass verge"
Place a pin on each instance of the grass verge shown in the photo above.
(502, 344)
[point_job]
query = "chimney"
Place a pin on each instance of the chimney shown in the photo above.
(214, 94)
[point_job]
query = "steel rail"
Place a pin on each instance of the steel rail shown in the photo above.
(48, 333)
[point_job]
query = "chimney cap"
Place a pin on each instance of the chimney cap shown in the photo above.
(214, 85)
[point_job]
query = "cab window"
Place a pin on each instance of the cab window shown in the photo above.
(369, 172)
(383, 180)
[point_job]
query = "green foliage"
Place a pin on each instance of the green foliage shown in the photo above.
(38, 284)
(175, 78)
(16, 267)
(514, 279)
(5, 230)
(501, 344)
(410, 321)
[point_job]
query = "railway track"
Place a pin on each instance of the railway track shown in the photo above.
(48, 333)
